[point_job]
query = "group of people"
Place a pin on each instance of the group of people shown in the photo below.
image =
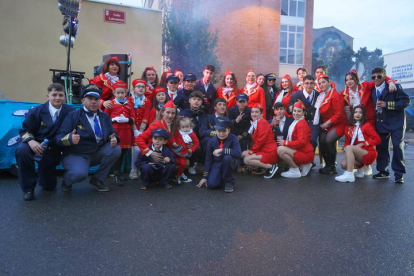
(169, 126)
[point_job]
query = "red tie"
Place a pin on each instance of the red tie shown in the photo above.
(172, 96)
(221, 144)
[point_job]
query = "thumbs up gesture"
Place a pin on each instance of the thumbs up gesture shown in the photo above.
(75, 137)
(113, 140)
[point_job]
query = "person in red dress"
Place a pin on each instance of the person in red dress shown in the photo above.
(360, 141)
(285, 91)
(167, 119)
(254, 91)
(105, 80)
(331, 117)
(296, 150)
(184, 143)
(160, 98)
(151, 77)
(142, 106)
(122, 115)
(301, 73)
(228, 89)
(319, 70)
(263, 154)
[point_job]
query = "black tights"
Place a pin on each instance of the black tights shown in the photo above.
(327, 146)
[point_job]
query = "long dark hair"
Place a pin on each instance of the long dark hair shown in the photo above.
(351, 120)
(174, 124)
(223, 82)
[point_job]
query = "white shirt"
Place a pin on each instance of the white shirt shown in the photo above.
(54, 112)
(206, 85)
(282, 124)
(381, 87)
(92, 123)
(172, 95)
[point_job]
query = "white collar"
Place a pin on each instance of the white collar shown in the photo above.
(381, 87)
(53, 110)
(153, 149)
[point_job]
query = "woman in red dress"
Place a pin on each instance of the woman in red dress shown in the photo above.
(105, 80)
(254, 91)
(228, 89)
(360, 141)
(331, 117)
(285, 91)
(160, 98)
(151, 77)
(296, 150)
(263, 154)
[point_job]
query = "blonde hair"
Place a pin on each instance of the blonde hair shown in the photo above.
(184, 120)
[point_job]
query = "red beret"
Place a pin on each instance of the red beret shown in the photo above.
(119, 84)
(170, 104)
(159, 90)
(322, 76)
(136, 81)
(288, 77)
(257, 106)
(299, 104)
(228, 72)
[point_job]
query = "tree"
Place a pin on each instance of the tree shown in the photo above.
(188, 45)
(341, 64)
(370, 60)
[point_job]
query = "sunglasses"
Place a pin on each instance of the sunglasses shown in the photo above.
(376, 77)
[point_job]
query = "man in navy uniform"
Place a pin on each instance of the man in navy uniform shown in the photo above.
(240, 116)
(88, 139)
(42, 122)
(152, 171)
(208, 131)
(389, 123)
(207, 88)
(222, 157)
(181, 100)
(308, 96)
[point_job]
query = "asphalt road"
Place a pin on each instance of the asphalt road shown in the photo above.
(308, 226)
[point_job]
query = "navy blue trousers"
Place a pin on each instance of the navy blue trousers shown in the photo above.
(222, 172)
(149, 174)
(398, 159)
(46, 173)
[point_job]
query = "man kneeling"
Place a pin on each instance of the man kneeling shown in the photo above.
(222, 156)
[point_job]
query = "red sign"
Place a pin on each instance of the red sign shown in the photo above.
(114, 16)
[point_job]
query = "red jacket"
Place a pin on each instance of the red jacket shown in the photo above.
(231, 100)
(332, 108)
(263, 138)
(178, 139)
(370, 135)
(301, 137)
(142, 113)
(256, 96)
(105, 84)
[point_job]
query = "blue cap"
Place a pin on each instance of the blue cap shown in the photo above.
(242, 97)
(173, 78)
(91, 90)
(222, 123)
(190, 77)
(270, 76)
(159, 132)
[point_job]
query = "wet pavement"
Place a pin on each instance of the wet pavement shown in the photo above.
(307, 226)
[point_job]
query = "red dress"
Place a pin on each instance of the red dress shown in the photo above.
(264, 143)
(371, 138)
(152, 115)
(256, 96)
(332, 108)
(142, 113)
(178, 139)
(149, 92)
(231, 99)
(107, 89)
(124, 130)
(301, 137)
(143, 141)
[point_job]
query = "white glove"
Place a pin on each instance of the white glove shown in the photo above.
(115, 119)
(122, 119)
(136, 133)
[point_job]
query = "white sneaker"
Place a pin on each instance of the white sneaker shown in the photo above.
(292, 173)
(185, 179)
(360, 173)
(192, 170)
(133, 175)
(346, 177)
(367, 170)
(305, 169)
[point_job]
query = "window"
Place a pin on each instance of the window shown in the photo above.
(291, 44)
(295, 8)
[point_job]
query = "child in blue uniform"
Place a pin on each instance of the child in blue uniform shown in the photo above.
(222, 156)
(42, 122)
(152, 171)
(240, 117)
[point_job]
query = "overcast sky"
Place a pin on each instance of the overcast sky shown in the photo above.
(383, 24)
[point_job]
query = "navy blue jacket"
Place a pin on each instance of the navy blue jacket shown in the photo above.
(208, 129)
(392, 116)
(209, 95)
(38, 123)
(231, 147)
(310, 106)
(165, 152)
(276, 130)
(181, 101)
(199, 119)
(87, 144)
(243, 126)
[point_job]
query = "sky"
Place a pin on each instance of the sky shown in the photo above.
(383, 24)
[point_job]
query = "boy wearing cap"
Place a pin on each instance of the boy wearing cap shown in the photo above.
(206, 87)
(153, 171)
(172, 87)
(208, 131)
(41, 122)
(240, 116)
(181, 101)
(88, 139)
(222, 157)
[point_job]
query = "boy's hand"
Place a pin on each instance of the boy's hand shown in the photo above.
(240, 117)
(167, 159)
(35, 146)
(107, 104)
(217, 152)
(113, 140)
(156, 156)
(203, 182)
(75, 137)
